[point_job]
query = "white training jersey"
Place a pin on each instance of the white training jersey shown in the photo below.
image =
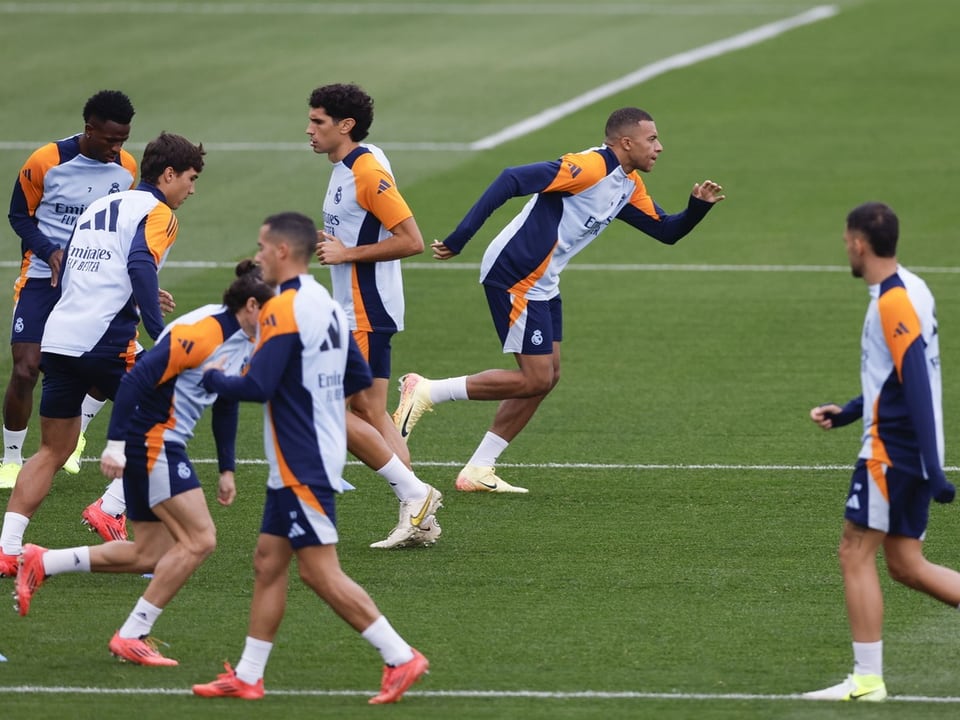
(96, 313)
(302, 352)
(902, 312)
(361, 205)
(55, 185)
(209, 334)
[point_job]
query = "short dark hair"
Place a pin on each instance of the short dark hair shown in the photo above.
(299, 230)
(173, 151)
(341, 101)
(624, 118)
(109, 105)
(248, 284)
(878, 224)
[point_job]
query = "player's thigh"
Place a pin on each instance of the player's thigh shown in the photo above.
(188, 519)
(151, 539)
(372, 401)
(903, 555)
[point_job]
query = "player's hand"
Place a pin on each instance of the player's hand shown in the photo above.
(226, 488)
(822, 415)
(219, 364)
(441, 251)
(113, 459)
(945, 493)
(708, 191)
(330, 251)
(167, 305)
(54, 262)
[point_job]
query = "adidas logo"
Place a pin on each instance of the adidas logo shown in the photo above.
(901, 329)
(853, 502)
(296, 531)
(383, 187)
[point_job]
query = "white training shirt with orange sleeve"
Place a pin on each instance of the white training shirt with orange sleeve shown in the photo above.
(55, 185)
(361, 205)
(109, 279)
(574, 199)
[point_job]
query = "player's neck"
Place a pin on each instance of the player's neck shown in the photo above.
(625, 164)
(879, 270)
(342, 151)
(292, 272)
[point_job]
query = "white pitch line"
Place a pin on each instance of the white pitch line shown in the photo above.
(681, 60)
(490, 694)
(491, 9)
(590, 466)
(583, 267)
(662, 267)
(550, 115)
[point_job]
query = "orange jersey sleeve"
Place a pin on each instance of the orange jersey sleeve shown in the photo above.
(377, 192)
(277, 318)
(640, 199)
(33, 171)
(578, 171)
(901, 325)
(191, 345)
(160, 232)
(130, 163)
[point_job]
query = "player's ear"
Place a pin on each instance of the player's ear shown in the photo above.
(860, 244)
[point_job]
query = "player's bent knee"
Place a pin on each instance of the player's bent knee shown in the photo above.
(539, 385)
(903, 572)
(202, 545)
(24, 376)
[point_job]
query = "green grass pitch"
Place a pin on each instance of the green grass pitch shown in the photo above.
(675, 557)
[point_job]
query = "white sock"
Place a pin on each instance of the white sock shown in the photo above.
(114, 501)
(392, 648)
(11, 536)
(253, 662)
(403, 482)
(868, 658)
(488, 451)
(13, 445)
(140, 621)
(88, 411)
(450, 389)
(56, 562)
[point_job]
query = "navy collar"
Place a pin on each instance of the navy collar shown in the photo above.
(153, 190)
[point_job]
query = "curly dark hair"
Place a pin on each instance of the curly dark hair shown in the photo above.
(341, 101)
(109, 105)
